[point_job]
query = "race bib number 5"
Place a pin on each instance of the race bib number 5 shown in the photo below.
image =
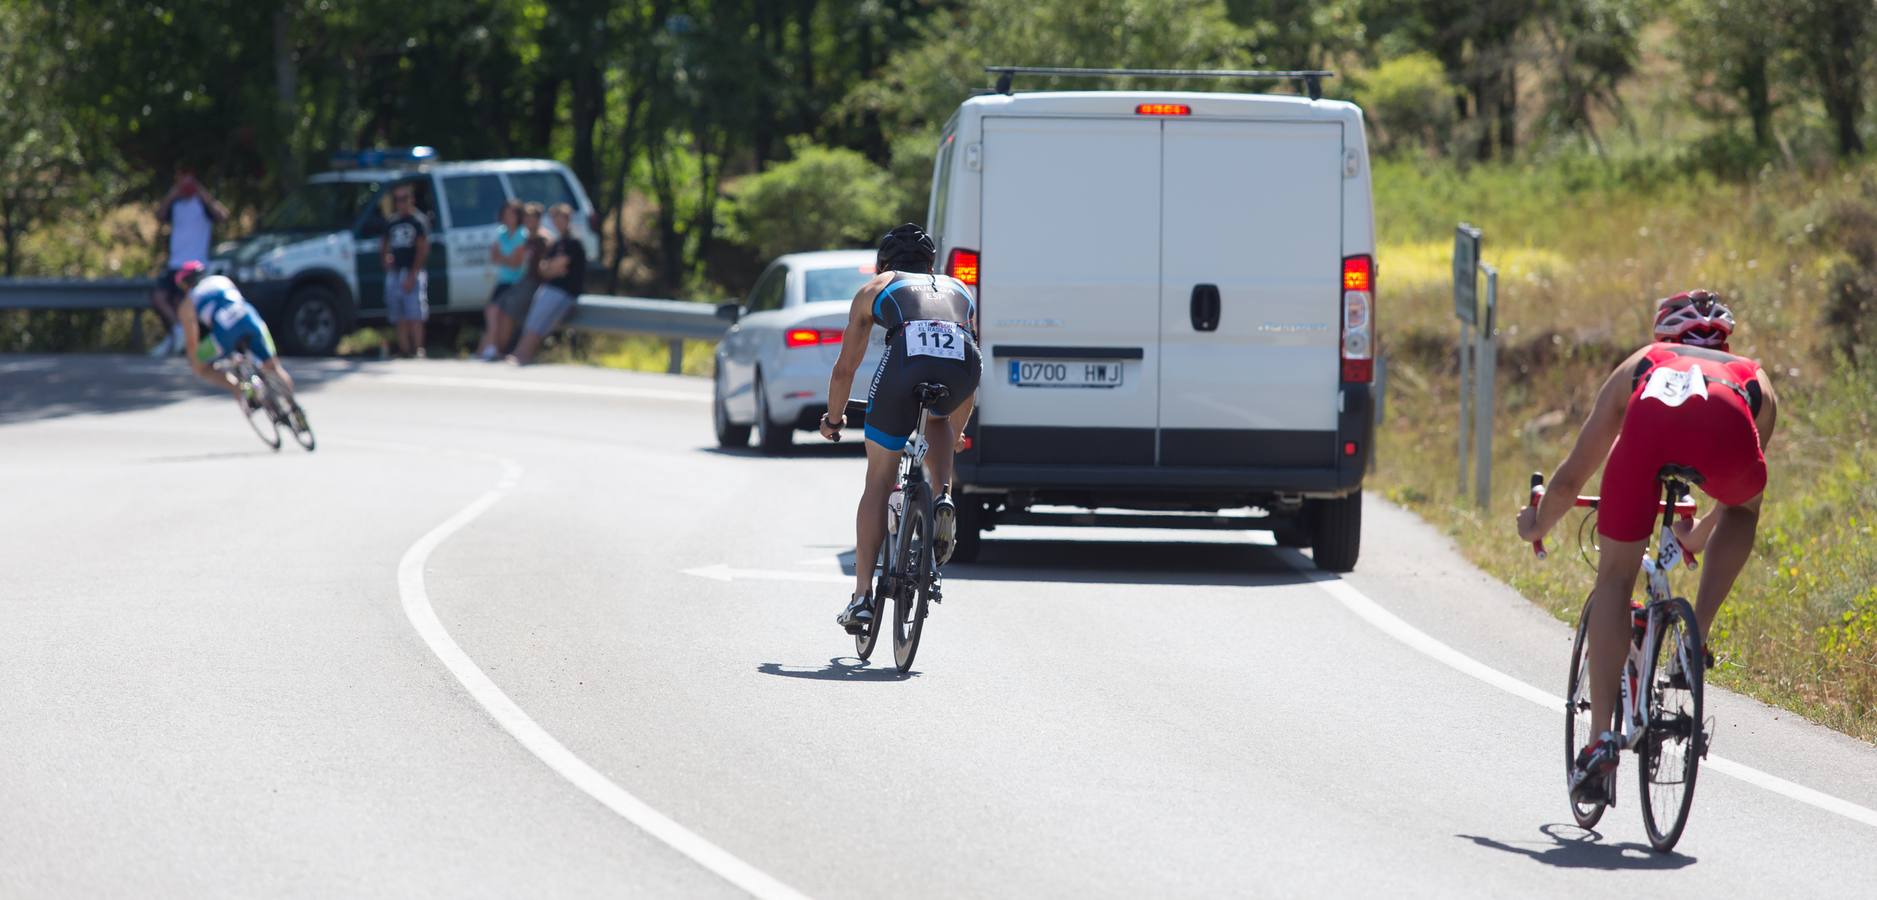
(941, 339)
(1674, 387)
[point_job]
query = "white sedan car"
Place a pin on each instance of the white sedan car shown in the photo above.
(773, 364)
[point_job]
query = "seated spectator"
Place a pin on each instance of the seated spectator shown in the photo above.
(510, 255)
(516, 301)
(564, 275)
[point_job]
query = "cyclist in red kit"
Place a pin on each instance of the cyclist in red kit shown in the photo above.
(1684, 401)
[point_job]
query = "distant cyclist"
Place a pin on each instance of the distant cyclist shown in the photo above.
(1684, 401)
(931, 337)
(213, 302)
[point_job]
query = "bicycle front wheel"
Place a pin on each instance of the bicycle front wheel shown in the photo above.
(914, 583)
(1578, 729)
(287, 411)
(252, 397)
(1672, 747)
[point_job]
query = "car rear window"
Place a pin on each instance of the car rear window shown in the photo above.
(545, 187)
(834, 284)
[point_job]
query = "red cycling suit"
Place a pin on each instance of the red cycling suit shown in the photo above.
(1689, 407)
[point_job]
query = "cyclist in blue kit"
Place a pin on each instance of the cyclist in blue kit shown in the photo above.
(931, 338)
(213, 302)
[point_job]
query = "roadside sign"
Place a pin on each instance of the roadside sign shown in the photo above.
(1466, 273)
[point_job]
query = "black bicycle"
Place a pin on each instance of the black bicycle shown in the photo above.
(907, 565)
(264, 401)
(1660, 715)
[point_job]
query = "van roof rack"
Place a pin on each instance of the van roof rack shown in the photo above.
(1309, 81)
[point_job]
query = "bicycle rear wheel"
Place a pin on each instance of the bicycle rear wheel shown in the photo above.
(287, 411)
(253, 402)
(915, 580)
(1672, 747)
(1578, 730)
(869, 637)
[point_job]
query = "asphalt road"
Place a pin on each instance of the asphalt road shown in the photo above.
(526, 633)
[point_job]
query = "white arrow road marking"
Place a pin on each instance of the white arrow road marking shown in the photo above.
(536, 739)
(1360, 604)
(722, 572)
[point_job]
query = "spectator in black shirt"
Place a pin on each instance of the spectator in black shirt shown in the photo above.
(405, 248)
(563, 277)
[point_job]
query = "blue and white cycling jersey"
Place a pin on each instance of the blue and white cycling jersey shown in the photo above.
(220, 307)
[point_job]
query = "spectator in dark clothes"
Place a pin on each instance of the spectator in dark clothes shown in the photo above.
(191, 215)
(405, 247)
(564, 276)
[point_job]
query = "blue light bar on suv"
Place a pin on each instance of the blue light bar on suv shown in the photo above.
(381, 157)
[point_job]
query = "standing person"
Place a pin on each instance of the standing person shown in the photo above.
(405, 248)
(1685, 400)
(516, 301)
(564, 275)
(191, 215)
(510, 255)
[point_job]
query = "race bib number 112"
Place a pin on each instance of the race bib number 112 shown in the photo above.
(941, 339)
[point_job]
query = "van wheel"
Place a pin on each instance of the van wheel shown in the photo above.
(970, 530)
(313, 322)
(1336, 532)
(772, 438)
(729, 434)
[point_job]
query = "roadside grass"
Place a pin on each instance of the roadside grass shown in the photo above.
(1579, 269)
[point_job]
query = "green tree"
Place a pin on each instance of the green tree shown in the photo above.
(1408, 103)
(824, 198)
(43, 168)
(1836, 39)
(1740, 48)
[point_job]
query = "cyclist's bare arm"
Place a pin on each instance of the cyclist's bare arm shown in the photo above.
(853, 348)
(1593, 445)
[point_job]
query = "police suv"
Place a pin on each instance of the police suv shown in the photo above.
(313, 268)
(1177, 310)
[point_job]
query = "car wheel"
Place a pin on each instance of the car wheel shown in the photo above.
(775, 439)
(1336, 532)
(313, 324)
(729, 434)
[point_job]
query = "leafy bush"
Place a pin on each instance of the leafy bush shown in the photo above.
(824, 198)
(1409, 103)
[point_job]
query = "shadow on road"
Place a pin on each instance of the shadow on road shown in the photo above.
(1571, 847)
(819, 449)
(49, 387)
(840, 668)
(1128, 562)
(210, 457)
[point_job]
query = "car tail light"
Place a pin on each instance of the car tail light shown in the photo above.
(966, 443)
(593, 222)
(1163, 109)
(811, 337)
(1358, 319)
(962, 264)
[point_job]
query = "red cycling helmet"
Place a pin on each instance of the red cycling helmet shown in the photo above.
(190, 271)
(1697, 318)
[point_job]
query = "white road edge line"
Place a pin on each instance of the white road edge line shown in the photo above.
(1360, 604)
(536, 739)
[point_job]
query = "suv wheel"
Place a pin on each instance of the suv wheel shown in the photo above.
(1336, 532)
(775, 439)
(313, 322)
(729, 434)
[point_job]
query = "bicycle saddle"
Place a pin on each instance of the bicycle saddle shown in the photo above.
(1684, 473)
(932, 394)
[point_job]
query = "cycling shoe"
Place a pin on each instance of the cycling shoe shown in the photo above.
(944, 528)
(1594, 763)
(857, 616)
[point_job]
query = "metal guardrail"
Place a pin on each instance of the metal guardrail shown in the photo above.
(675, 320)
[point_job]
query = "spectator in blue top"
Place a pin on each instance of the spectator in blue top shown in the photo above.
(510, 255)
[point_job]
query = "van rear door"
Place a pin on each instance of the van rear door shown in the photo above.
(1251, 257)
(1070, 291)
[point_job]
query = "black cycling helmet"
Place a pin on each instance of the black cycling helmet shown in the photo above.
(906, 249)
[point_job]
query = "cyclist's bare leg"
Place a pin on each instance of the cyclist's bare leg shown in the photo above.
(220, 379)
(870, 518)
(274, 367)
(941, 436)
(1727, 553)
(1617, 567)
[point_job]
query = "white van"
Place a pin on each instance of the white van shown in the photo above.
(313, 269)
(1177, 305)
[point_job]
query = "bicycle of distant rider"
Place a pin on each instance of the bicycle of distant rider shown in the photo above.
(264, 401)
(1660, 714)
(907, 566)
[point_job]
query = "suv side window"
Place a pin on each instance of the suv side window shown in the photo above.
(770, 290)
(544, 186)
(474, 199)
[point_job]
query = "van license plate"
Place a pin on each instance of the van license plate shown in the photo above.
(1065, 373)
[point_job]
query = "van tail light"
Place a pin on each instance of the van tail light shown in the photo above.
(593, 222)
(1358, 319)
(962, 264)
(811, 337)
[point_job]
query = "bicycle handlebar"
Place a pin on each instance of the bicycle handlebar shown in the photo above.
(1684, 507)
